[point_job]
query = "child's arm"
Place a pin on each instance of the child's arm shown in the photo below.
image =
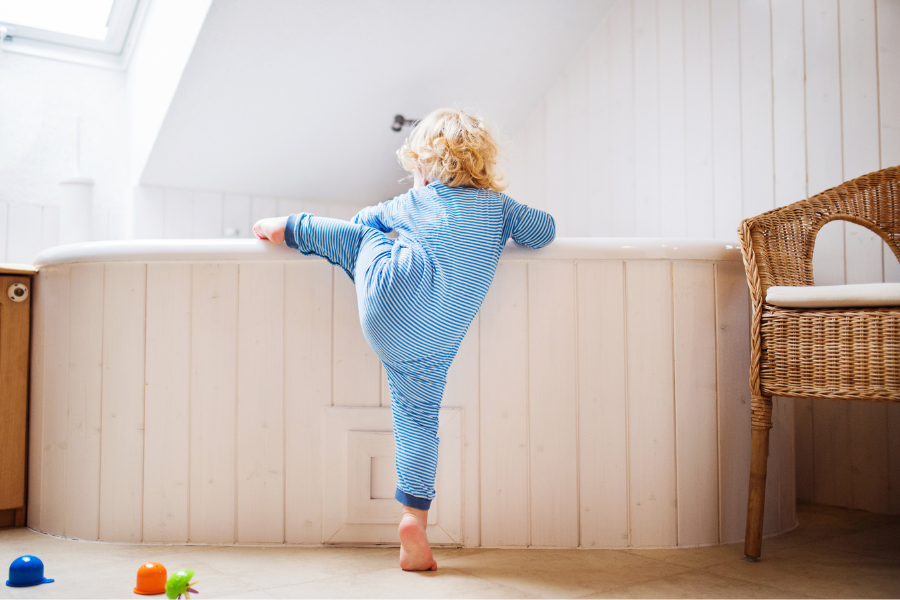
(378, 217)
(531, 227)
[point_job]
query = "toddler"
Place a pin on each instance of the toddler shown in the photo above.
(418, 294)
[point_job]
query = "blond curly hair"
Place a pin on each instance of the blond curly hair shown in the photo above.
(455, 148)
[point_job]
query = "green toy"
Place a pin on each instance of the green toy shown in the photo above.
(180, 583)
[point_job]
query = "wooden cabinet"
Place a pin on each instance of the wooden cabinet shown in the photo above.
(15, 319)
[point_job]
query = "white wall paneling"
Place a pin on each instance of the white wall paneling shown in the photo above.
(504, 409)
(50, 226)
(84, 391)
(700, 214)
(167, 425)
(4, 229)
(702, 113)
(122, 418)
(561, 425)
(25, 232)
(308, 310)
(177, 214)
(260, 403)
(213, 412)
(672, 131)
(602, 410)
(236, 216)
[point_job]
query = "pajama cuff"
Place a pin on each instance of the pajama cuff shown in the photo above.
(289, 232)
(412, 501)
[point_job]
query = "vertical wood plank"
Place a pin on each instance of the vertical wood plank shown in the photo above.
(888, 23)
(553, 402)
(260, 409)
(891, 265)
(859, 87)
(726, 119)
(308, 288)
(534, 169)
(732, 366)
(805, 450)
(859, 121)
(148, 220)
(504, 412)
(178, 214)
(556, 154)
(788, 109)
(25, 230)
(832, 448)
(40, 304)
(694, 315)
(206, 220)
(463, 390)
(599, 127)
(4, 229)
(646, 125)
(672, 167)
(213, 402)
(699, 111)
(869, 471)
(84, 392)
(825, 170)
(357, 369)
(622, 215)
(602, 423)
(236, 216)
(49, 228)
(167, 399)
(577, 191)
(651, 403)
(263, 208)
(756, 115)
(122, 437)
(863, 254)
(786, 462)
(55, 285)
(823, 134)
(823, 98)
(893, 427)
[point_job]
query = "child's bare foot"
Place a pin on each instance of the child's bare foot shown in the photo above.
(415, 553)
(271, 229)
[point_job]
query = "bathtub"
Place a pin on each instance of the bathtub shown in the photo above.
(221, 392)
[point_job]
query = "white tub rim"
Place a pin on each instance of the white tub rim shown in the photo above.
(610, 248)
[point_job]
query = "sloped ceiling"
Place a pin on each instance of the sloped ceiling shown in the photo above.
(295, 98)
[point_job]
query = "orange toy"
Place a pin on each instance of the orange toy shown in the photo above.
(151, 579)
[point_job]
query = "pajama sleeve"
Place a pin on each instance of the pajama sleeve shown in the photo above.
(529, 226)
(380, 216)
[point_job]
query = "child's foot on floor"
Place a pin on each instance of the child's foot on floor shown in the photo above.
(415, 553)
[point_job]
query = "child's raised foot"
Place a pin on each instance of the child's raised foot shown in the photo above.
(415, 553)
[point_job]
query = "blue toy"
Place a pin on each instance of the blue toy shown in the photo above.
(26, 571)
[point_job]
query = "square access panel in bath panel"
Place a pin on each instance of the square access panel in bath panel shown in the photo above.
(360, 477)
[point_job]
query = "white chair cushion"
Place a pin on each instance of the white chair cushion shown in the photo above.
(834, 296)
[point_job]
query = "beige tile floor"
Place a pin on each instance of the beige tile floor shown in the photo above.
(834, 552)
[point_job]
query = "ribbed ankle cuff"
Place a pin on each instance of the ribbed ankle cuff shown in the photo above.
(412, 501)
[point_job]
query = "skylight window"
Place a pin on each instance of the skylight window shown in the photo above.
(97, 25)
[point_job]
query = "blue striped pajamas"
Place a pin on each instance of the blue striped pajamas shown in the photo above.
(418, 294)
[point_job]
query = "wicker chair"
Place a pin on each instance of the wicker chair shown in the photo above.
(831, 353)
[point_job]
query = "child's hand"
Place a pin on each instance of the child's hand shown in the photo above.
(271, 229)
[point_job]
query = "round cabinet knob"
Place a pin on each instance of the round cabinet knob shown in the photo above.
(18, 292)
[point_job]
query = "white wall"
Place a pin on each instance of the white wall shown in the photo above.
(40, 100)
(183, 214)
(681, 117)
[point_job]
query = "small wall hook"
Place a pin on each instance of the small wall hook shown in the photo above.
(399, 122)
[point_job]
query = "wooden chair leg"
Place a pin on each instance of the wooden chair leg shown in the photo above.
(761, 420)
